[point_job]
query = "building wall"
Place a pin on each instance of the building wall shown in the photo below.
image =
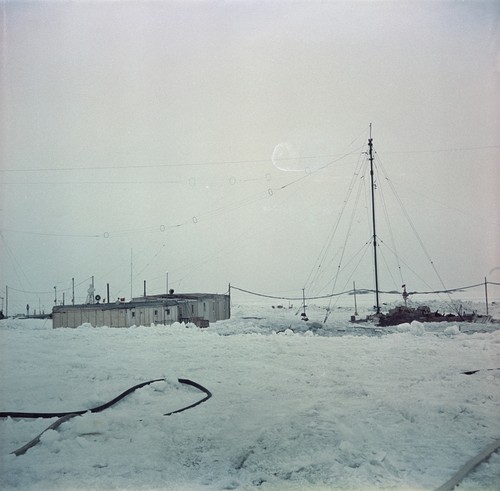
(200, 306)
(211, 307)
(99, 316)
(146, 315)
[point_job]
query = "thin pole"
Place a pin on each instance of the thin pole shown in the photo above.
(73, 290)
(6, 301)
(370, 150)
(486, 294)
(130, 274)
(304, 316)
(355, 305)
(167, 283)
(55, 295)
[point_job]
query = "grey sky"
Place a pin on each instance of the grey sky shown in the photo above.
(151, 126)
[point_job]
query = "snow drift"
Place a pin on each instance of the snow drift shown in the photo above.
(343, 407)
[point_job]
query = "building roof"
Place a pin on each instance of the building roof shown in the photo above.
(121, 305)
(162, 300)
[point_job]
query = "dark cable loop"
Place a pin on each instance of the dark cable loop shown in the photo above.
(65, 416)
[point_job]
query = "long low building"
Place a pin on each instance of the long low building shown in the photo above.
(198, 308)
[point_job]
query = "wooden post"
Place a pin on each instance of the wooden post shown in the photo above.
(355, 305)
(486, 294)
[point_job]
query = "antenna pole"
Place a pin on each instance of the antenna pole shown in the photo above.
(370, 156)
(304, 315)
(486, 293)
(355, 304)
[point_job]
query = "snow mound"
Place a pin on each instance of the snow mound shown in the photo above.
(452, 330)
(416, 328)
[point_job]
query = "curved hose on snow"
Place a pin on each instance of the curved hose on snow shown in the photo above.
(97, 409)
(65, 416)
(186, 381)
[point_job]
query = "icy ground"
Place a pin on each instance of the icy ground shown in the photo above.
(294, 406)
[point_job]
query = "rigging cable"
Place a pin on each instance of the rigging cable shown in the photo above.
(361, 252)
(312, 278)
(389, 270)
(365, 249)
(351, 221)
(412, 225)
(450, 290)
(230, 162)
(168, 164)
(324, 250)
(208, 214)
(51, 292)
(288, 298)
(243, 202)
(445, 300)
(391, 235)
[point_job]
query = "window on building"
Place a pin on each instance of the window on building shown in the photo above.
(167, 311)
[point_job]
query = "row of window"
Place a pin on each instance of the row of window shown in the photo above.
(167, 312)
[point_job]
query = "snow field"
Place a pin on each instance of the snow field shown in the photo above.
(289, 410)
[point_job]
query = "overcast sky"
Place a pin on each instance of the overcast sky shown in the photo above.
(218, 141)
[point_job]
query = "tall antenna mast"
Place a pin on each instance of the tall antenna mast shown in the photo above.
(370, 156)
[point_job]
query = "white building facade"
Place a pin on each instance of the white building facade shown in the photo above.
(198, 308)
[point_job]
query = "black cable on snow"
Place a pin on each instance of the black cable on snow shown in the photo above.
(22, 450)
(186, 381)
(472, 372)
(13, 414)
(65, 416)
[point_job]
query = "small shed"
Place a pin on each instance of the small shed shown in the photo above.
(199, 308)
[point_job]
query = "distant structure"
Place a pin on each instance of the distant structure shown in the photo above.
(197, 308)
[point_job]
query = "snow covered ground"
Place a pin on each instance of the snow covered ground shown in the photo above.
(294, 406)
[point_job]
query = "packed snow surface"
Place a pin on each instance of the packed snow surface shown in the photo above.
(295, 405)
